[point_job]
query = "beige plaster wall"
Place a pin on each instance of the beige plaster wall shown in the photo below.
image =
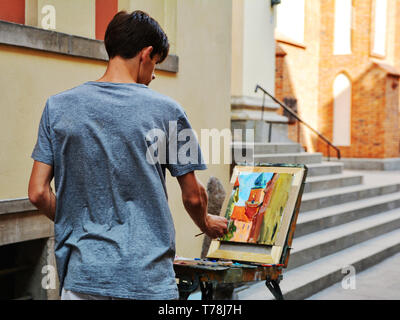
(75, 17)
(253, 47)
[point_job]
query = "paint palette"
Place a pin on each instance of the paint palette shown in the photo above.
(214, 264)
(202, 262)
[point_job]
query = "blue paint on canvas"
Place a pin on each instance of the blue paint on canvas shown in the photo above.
(248, 180)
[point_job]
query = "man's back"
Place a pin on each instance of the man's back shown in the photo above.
(114, 231)
(101, 141)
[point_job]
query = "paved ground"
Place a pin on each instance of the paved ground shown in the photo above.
(380, 282)
(372, 177)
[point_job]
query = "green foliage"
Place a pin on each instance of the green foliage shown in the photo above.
(231, 231)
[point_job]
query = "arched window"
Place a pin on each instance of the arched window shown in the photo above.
(380, 16)
(343, 21)
(342, 110)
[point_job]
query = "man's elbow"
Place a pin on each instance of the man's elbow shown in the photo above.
(36, 197)
(193, 202)
(196, 201)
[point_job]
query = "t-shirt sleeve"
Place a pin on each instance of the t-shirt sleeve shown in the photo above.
(184, 152)
(43, 150)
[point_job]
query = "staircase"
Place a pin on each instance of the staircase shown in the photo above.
(347, 218)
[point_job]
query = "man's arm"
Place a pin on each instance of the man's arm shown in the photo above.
(39, 191)
(194, 197)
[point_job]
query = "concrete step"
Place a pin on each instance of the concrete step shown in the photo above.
(319, 219)
(273, 147)
(324, 168)
(328, 198)
(276, 148)
(311, 278)
(333, 181)
(292, 158)
(251, 149)
(389, 164)
(316, 245)
(276, 126)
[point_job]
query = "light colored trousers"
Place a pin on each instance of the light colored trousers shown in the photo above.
(72, 295)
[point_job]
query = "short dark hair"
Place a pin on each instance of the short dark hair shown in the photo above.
(128, 33)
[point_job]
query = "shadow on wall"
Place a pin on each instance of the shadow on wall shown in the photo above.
(284, 91)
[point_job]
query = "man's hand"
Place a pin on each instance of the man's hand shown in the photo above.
(216, 226)
(194, 197)
(39, 191)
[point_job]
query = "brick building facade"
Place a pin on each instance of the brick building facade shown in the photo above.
(343, 76)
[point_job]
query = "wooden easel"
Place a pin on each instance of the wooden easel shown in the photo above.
(252, 266)
(191, 277)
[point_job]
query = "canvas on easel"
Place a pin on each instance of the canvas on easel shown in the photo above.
(262, 212)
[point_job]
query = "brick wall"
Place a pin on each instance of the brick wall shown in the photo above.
(298, 72)
(308, 75)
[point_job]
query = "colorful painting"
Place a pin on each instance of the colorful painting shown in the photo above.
(256, 206)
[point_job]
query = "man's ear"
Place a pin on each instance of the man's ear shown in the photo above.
(146, 52)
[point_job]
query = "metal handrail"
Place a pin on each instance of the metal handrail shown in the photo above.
(299, 119)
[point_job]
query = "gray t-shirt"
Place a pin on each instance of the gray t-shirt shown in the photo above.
(114, 233)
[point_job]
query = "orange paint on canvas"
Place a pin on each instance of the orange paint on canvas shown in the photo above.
(256, 195)
(242, 231)
(251, 209)
(239, 214)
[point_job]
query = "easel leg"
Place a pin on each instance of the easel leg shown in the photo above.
(273, 286)
(206, 290)
(186, 286)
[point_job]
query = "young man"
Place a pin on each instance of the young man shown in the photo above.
(114, 234)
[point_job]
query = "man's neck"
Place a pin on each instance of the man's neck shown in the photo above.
(120, 70)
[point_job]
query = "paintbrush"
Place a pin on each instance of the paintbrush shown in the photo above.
(199, 234)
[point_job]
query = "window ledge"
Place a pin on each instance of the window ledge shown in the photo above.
(377, 56)
(53, 41)
(283, 39)
(16, 206)
(342, 53)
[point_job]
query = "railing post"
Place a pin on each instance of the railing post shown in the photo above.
(329, 158)
(270, 132)
(262, 108)
(298, 131)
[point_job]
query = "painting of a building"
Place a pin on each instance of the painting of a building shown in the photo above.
(256, 206)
